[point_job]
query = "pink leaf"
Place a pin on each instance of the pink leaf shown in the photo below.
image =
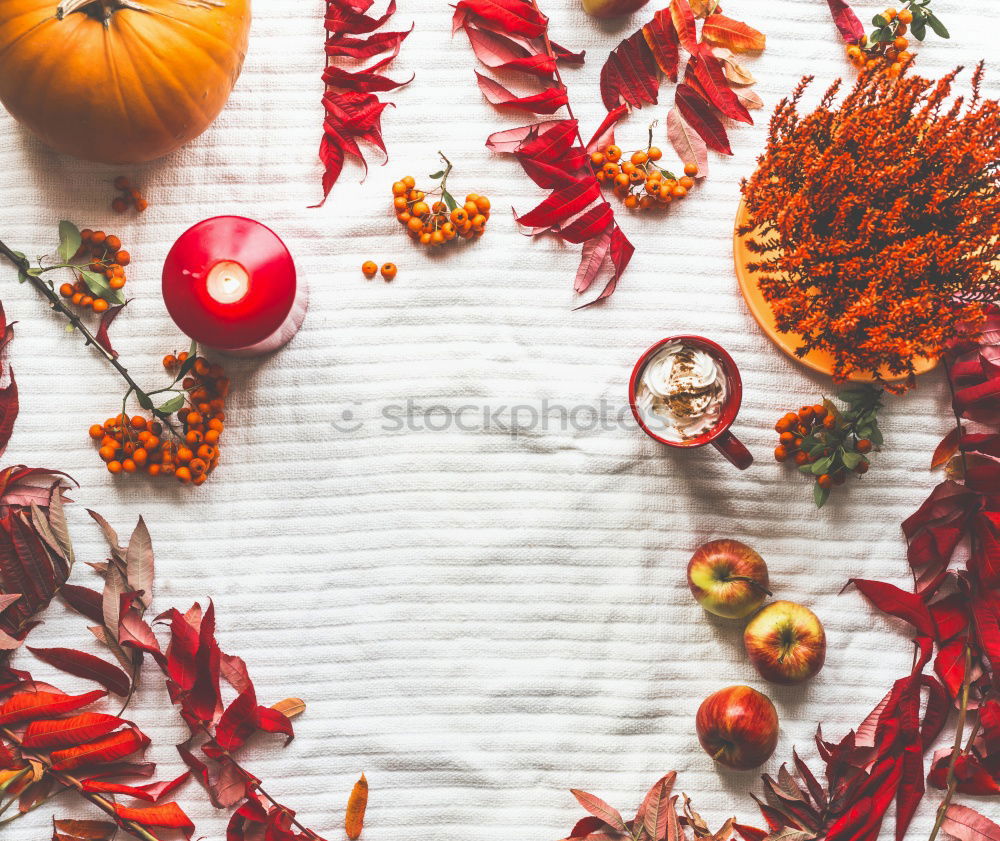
(850, 25)
(688, 144)
(599, 809)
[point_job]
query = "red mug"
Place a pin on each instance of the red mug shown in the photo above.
(719, 435)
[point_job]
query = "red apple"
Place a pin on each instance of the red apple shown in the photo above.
(738, 727)
(785, 642)
(611, 8)
(728, 578)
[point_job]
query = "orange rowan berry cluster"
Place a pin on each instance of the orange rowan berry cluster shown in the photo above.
(434, 223)
(107, 267)
(640, 181)
(827, 444)
(136, 444)
(888, 44)
(129, 196)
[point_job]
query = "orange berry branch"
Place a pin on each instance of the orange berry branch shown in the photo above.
(195, 397)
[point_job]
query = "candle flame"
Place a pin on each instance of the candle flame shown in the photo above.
(227, 282)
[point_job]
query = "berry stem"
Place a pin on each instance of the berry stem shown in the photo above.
(57, 304)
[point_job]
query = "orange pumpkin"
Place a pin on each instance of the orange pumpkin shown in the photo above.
(120, 81)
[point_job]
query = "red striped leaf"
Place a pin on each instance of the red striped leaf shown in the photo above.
(599, 809)
(850, 25)
(32, 706)
(684, 24)
(630, 74)
(732, 34)
(661, 37)
(547, 101)
(87, 666)
(698, 114)
(100, 751)
(65, 732)
(516, 16)
(151, 792)
(707, 69)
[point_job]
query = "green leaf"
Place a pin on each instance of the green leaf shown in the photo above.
(820, 495)
(69, 240)
(876, 437)
(172, 405)
(188, 363)
(880, 21)
(449, 200)
(143, 400)
(98, 286)
(21, 255)
(436, 175)
(805, 469)
(33, 272)
(851, 460)
(936, 25)
(818, 468)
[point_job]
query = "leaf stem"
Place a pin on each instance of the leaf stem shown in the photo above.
(57, 304)
(69, 781)
(956, 751)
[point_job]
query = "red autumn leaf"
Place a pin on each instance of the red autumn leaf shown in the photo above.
(985, 558)
(750, 833)
(352, 110)
(168, 815)
(966, 824)
(8, 393)
(653, 812)
(585, 826)
(972, 777)
(515, 16)
(84, 601)
(100, 751)
(732, 34)
(73, 830)
(707, 69)
(87, 666)
(986, 613)
(182, 650)
(107, 319)
(946, 449)
(134, 631)
(547, 101)
(662, 40)
(698, 114)
(687, 143)
(139, 563)
(64, 732)
(850, 25)
(568, 201)
(270, 720)
(951, 616)
(949, 664)
(599, 809)
(605, 134)
(238, 722)
(892, 600)
(684, 24)
(499, 52)
(630, 74)
(151, 792)
(32, 706)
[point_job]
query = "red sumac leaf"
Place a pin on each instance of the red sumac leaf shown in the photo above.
(707, 69)
(64, 732)
(87, 666)
(166, 815)
(517, 16)
(499, 52)
(946, 449)
(684, 24)
(599, 809)
(850, 25)
(585, 826)
(563, 203)
(84, 601)
(150, 792)
(238, 722)
(687, 143)
(630, 74)
(84, 830)
(547, 101)
(896, 602)
(966, 824)
(107, 319)
(698, 114)
(732, 34)
(100, 751)
(32, 706)
(662, 39)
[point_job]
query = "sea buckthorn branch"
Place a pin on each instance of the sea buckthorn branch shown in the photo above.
(69, 781)
(32, 276)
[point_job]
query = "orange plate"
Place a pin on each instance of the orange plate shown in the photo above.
(818, 360)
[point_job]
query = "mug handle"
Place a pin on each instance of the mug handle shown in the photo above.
(732, 448)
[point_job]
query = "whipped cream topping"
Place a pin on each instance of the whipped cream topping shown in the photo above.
(681, 392)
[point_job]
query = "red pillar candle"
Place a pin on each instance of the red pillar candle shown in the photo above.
(230, 284)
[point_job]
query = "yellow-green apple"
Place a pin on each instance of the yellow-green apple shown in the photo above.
(738, 727)
(611, 8)
(785, 642)
(728, 578)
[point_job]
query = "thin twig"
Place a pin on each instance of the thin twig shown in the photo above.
(89, 338)
(102, 803)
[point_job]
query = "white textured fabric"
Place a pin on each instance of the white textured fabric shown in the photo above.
(478, 620)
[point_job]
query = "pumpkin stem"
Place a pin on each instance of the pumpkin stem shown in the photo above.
(108, 7)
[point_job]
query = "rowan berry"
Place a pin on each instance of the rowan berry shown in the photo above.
(639, 157)
(183, 475)
(864, 445)
(801, 458)
(679, 192)
(98, 237)
(77, 298)
(686, 181)
(905, 16)
(654, 153)
(825, 481)
(67, 290)
(482, 203)
(631, 202)
(388, 271)
(114, 467)
(100, 305)
(787, 438)
(691, 168)
(780, 453)
(613, 152)
(409, 181)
